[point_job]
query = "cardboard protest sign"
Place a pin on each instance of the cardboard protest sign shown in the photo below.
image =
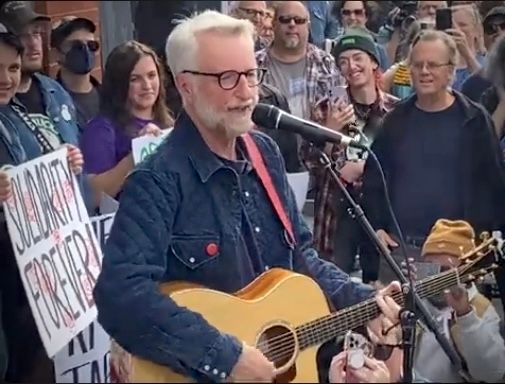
(56, 250)
(146, 145)
(85, 359)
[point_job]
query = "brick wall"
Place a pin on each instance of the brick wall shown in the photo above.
(58, 9)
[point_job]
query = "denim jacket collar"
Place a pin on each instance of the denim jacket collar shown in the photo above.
(205, 162)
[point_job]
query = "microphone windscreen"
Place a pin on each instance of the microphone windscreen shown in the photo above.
(265, 116)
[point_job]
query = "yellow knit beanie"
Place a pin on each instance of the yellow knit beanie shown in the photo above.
(450, 237)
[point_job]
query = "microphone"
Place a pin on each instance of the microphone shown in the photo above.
(269, 116)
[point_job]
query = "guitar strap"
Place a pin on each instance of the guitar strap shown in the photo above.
(260, 168)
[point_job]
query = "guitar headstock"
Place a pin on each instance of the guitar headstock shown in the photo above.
(482, 260)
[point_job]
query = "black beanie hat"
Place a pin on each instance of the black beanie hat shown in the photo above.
(355, 39)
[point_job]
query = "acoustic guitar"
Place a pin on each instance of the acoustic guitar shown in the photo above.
(287, 316)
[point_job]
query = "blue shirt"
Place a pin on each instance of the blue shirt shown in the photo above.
(186, 215)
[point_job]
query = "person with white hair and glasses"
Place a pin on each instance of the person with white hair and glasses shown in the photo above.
(233, 236)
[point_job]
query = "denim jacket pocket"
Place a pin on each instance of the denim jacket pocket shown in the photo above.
(195, 251)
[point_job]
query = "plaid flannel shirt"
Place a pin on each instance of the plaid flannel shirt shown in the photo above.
(321, 73)
(328, 195)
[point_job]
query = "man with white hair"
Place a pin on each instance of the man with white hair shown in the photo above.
(198, 211)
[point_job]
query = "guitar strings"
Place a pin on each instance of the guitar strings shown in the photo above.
(284, 351)
(316, 323)
(279, 347)
(423, 285)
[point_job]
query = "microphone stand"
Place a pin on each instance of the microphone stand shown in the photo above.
(412, 301)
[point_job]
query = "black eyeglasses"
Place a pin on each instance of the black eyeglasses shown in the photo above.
(349, 12)
(230, 79)
(287, 20)
(494, 27)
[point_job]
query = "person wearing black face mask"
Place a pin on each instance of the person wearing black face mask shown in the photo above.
(76, 49)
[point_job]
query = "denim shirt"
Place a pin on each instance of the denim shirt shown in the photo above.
(323, 25)
(181, 218)
(59, 107)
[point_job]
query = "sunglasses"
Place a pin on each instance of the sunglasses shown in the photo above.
(287, 20)
(349, 12)
(494, 27)
(92, 45)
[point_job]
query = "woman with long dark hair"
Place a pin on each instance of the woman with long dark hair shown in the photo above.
(132, 104)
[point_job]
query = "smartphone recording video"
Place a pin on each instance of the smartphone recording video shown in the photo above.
(443, 19)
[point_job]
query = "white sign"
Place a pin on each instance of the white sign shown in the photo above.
(146, 145)
(299, 182)
(58, 256)
(86, 358)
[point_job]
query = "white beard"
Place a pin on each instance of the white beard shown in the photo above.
(233, 126)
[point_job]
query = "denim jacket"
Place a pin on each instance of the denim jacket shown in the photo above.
(172, 207)
(59, 107)
(323, 24)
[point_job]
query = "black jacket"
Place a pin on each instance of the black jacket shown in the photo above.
(287, 141)
(482, 168)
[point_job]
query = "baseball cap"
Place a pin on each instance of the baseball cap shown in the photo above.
(496, 12)
(66, 26)
(16, 15)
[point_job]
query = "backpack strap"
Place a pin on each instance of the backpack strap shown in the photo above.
(262, 172)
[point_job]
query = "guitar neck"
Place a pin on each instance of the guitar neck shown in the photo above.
(336, 324)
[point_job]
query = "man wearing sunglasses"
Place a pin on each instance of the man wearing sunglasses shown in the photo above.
(354, 14)
(76, 49)
(301, 71)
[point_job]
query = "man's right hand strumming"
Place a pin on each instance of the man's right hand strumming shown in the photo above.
(253, 366)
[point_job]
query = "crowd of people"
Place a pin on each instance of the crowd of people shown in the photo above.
(427, 99)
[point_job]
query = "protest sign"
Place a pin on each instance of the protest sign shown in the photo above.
(58, 256)
(85, 359)
(146, 145)
(101, 226)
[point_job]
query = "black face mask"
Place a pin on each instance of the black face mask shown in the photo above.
(80, 58)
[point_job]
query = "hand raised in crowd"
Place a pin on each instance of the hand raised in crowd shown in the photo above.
(150, 129)
(5, 186)
(373, 371)
(386, 240)
(340, 114)
(253, 366)
(75, 158)
(461, 42)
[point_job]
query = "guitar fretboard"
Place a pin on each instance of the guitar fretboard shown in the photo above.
(336, 324)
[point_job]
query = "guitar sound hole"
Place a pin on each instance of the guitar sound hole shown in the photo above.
(278, 344)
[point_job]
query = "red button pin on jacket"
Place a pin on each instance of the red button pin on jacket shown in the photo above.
(212, 249)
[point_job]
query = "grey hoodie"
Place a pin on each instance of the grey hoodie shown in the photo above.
(479, 344)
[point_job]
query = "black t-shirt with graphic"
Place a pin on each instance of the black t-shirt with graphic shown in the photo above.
(34, 104)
